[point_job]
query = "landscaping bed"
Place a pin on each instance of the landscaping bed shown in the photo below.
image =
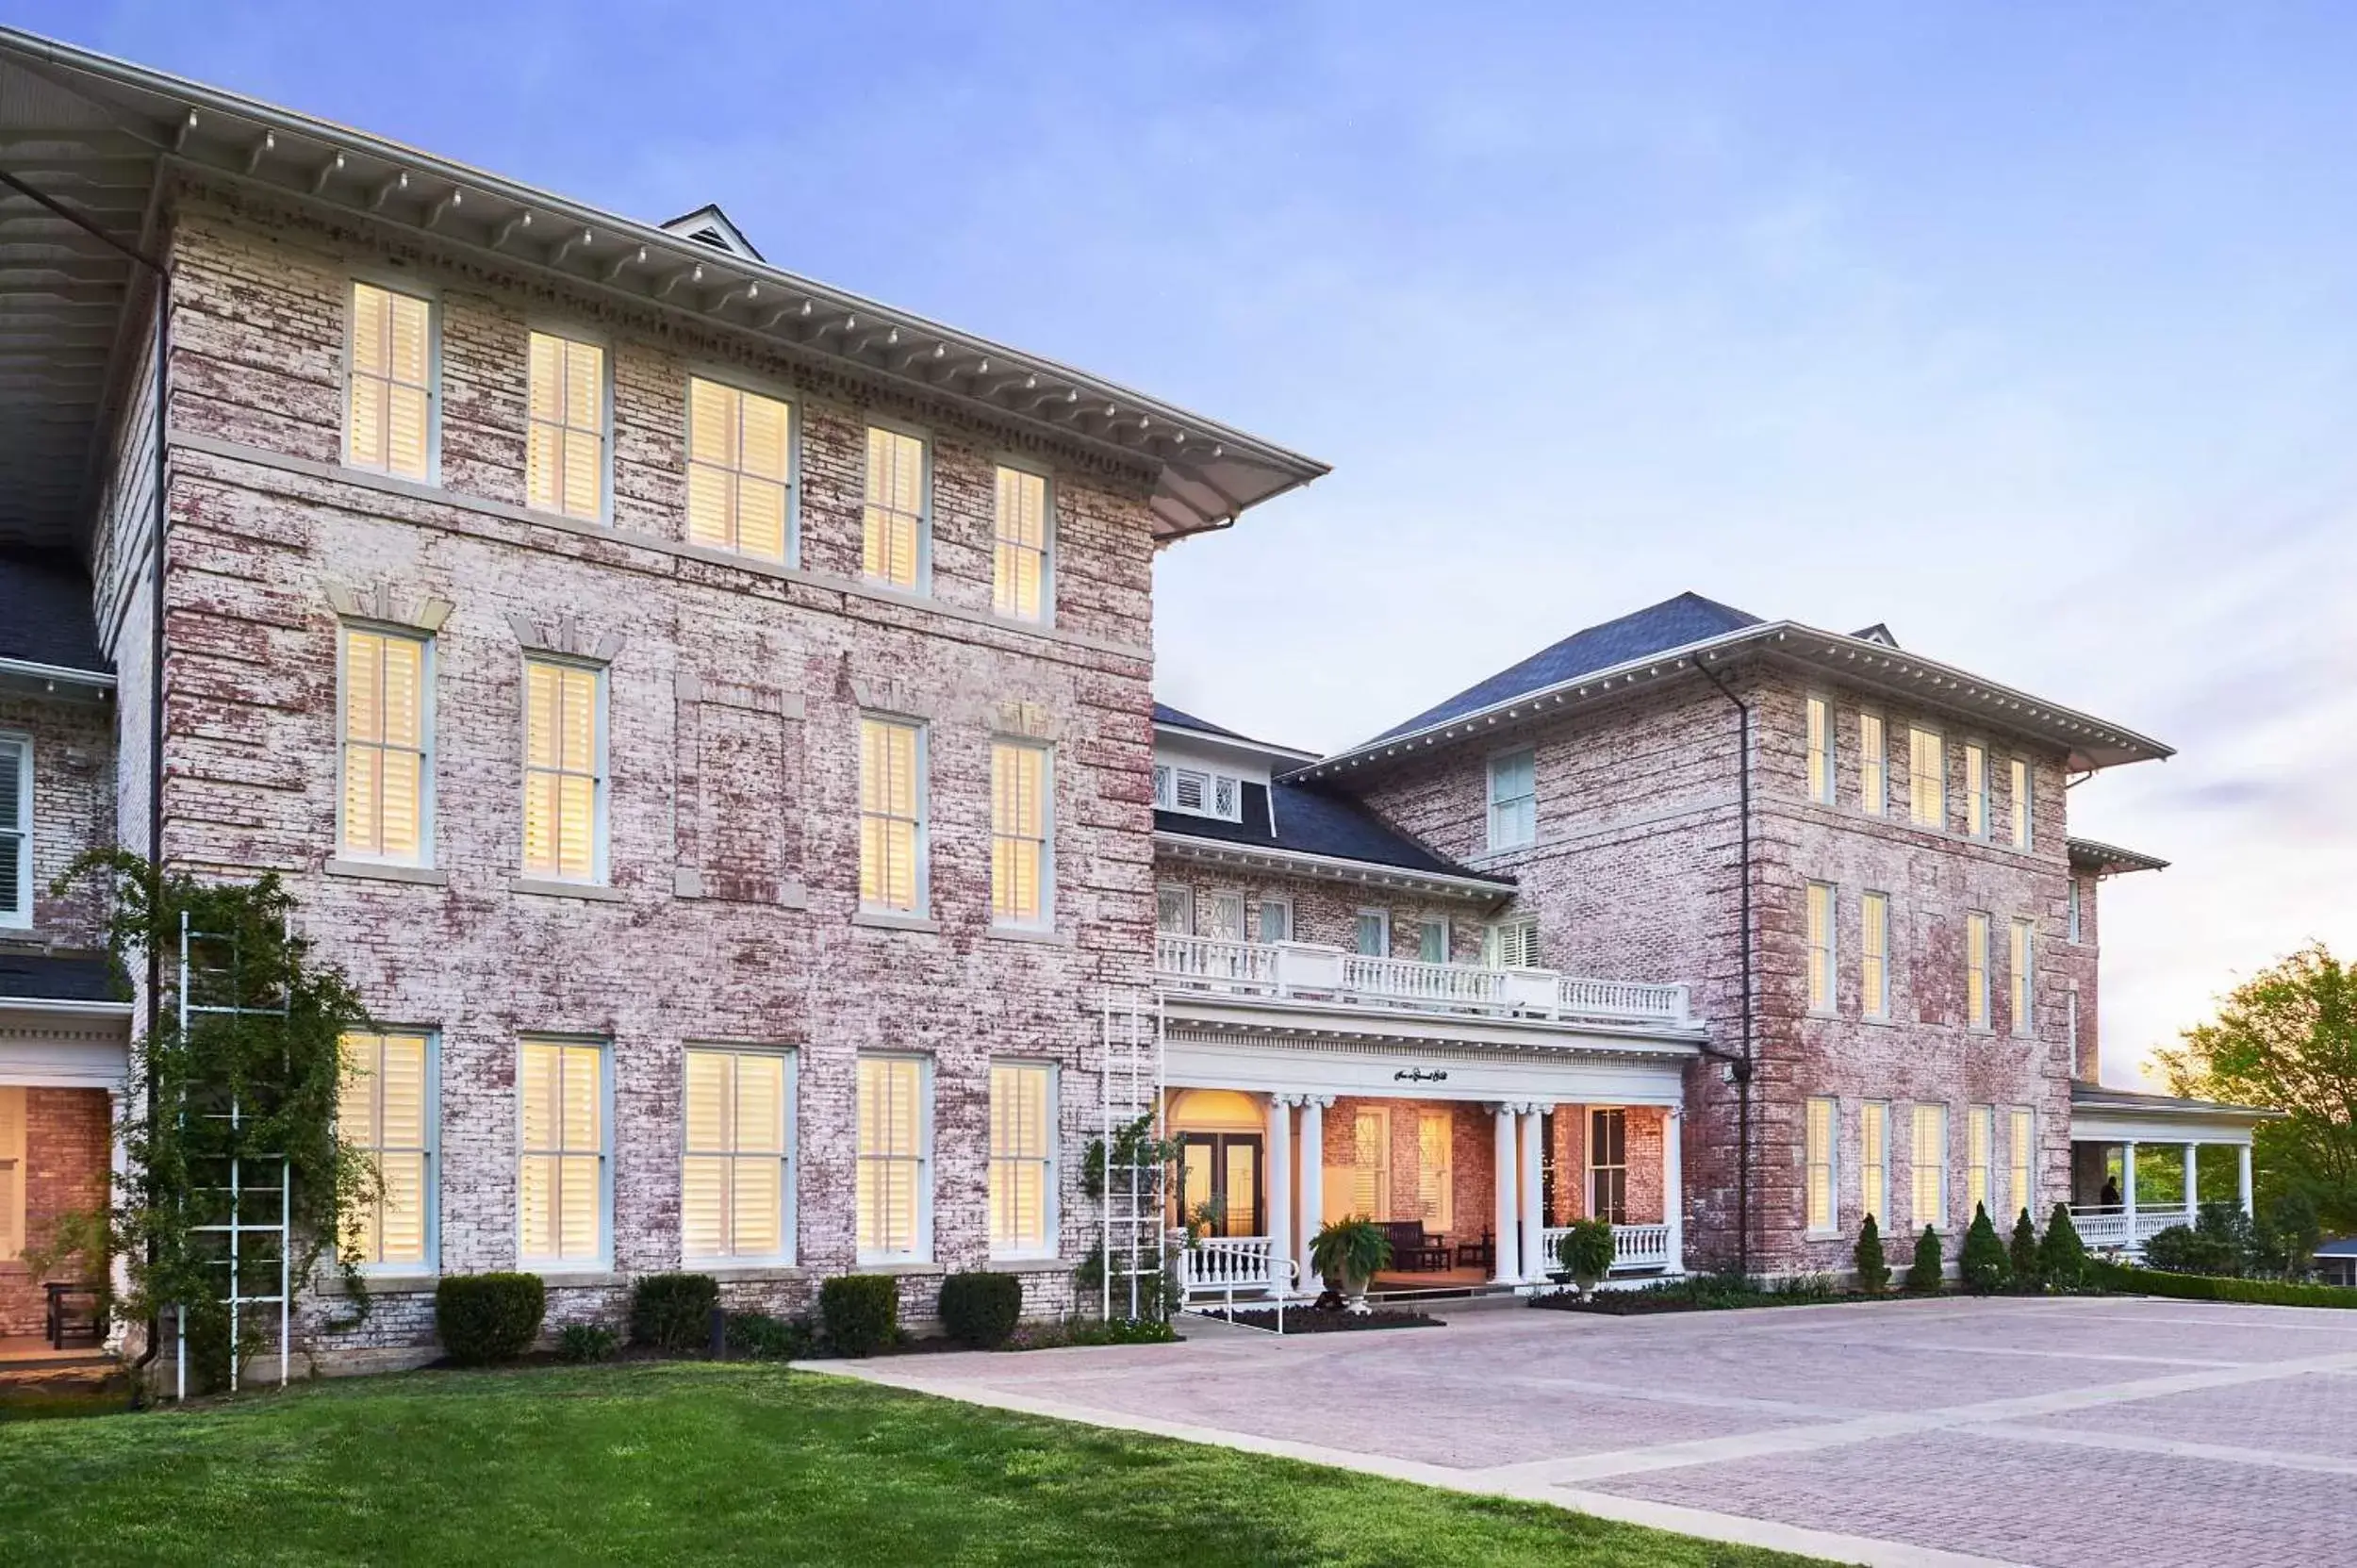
(1312, 1321)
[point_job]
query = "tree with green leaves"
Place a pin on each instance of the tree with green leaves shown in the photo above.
(2022, 1253)
(1984, 1263)
(2062, 1257)
(1924, 1273)
(2286, 1039)
(1874, 1269)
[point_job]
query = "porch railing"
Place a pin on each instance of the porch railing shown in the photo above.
(2105, 1225)
(1634, 1247)
(1316, 972)
(1230, 1266)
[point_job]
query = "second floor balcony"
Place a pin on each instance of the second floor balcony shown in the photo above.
(1309, 971)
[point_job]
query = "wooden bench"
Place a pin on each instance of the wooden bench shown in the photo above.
(74, 1315)
(1414, 1251)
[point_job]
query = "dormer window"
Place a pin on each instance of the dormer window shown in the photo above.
(1197, 792)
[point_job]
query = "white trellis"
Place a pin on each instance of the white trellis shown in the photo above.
(1129, 1079)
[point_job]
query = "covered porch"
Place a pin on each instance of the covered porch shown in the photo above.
(1475, 1153)
(2142, 1162)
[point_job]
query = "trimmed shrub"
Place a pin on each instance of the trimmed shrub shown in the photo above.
(2062, 1257)
(2194, 1287)
(758, 1336)
(861, 1313)
(1924, 1273)
(2225, 1226)
(585, 1341)
(673, 1312)
(1874, 1269)
(481, 1318)
(2022, 1253)
(1984, 1260)
(981, 1309)
(2182, 1250)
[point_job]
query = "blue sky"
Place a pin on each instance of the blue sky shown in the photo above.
(2026, 330)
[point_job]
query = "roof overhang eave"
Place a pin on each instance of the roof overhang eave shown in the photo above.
(1364, 873)
(1206, 473)
(2110, 860)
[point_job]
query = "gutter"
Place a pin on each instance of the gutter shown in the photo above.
(97, 680)
(1741, 1066)
(58, 1004)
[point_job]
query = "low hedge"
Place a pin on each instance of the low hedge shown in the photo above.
(673, 1312)
(980, 1310)
(483, 1318)
(860, 1312)
(2205, 1287)
(759, 1336)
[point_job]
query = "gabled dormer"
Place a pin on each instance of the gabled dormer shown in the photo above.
(712, 227)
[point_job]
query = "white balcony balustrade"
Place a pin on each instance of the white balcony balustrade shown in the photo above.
(1310, 971)
(2108, 1227)
(1635, 1247)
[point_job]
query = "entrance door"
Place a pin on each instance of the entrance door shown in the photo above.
(1224, 1170)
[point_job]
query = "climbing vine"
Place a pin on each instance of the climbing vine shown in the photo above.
(236, 1090)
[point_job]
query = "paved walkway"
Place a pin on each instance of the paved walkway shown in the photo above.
(2085, 1433)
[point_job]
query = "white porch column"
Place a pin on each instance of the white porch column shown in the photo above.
(2193, 1182)
(1502, 1165)
(1673, 1185)
(2128, 1188)
(1535, 1260)
(1280, 1182)
(118, 1169)
(2242, 1174)
(1313, 1182)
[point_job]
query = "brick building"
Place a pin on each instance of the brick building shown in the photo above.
(708, 715)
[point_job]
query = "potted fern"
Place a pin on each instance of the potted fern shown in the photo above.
(1585, 1254)
(1347, 1253)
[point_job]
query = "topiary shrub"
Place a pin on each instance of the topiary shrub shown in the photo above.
(1874, 1269)
(1984, 1260)
(981, 1309)
(585, 1341)
(758, 1336)
(860, 1312)
(2062, 1257)
(481, 1318)
(2022, 1253)
(1924, 1273)
(673, 1312)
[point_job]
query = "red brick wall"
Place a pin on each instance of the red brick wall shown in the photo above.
(66, 1169)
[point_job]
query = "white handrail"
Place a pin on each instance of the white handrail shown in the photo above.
(1644, 1245)
(1317, 972)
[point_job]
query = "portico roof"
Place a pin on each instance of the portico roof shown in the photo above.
(105, 139)
(2101, 1114)
(2108, 860)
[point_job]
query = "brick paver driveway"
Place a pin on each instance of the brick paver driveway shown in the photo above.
(2095, 1431)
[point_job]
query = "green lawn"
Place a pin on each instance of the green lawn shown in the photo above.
(686, 1462)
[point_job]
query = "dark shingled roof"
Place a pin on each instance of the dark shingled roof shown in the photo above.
(1672, 623)
(1165, 714)
(45, 612)
(46, 979)
(1315, 821)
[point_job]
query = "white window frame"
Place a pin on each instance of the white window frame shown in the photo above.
(1383, 928)
(431, 299)
(1939, 818)
(1286, 907)
(792, 543)
(1424, 927)
(1050, 1169)
(1917, 1163)
(2022, 781)
(1821, 914)
(1980, 1158)
(602, 1261)
(1046, 616)
(922, 1251)
(1977, 797)
(1523, 806)
(431, 1112)
(1817, 722)
(1226, 909)
(1874, 1163)
(600, 808)
(1591, 1142)
(1044, 917)
(1165, 787)
(1185, 894)
(573, 333)
(2021, 1160)
(788, 1159)
(1874, 776)
(2022, 976)
(1976, 994)
(22, 917)
(426, 645)
(1436, 1188)
(1874, 955)
(2078, 896)
(924, 583)
(1821, 1161)
(1501, 947)
(921, 839)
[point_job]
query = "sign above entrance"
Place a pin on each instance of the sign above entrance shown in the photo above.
(1420, 1075)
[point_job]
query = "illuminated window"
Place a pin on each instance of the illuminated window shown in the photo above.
(1821, 951)
(387, 776)
(1927, 779)
(1436, 1176)
(1929, 1157)
(739, 470)
(736, 1169)
(891, 816)
(564, 771)
(389, 406)
(2023, 975)
(893, 1196)
(13, 1137)
(1976, 791)
(1022, 1160)
(1822, 1124)
(892, 539)
(561, 1191)
(1874, 955)
(2020, 803)
(1019, 561)
(1019, 867)
(385, 1111)
(565, 431)
(1980, 1137)
(1873, 1139)
(2022, 1146)
(1873, 765)
(1607, 1164)
(1820, 749)
(1976, 970)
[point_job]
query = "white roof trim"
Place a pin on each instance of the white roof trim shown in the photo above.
(1363, 873)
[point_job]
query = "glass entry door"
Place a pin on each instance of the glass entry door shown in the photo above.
(1224, 1170)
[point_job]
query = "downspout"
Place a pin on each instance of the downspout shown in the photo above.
(1740, 1064)
(154, 659)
